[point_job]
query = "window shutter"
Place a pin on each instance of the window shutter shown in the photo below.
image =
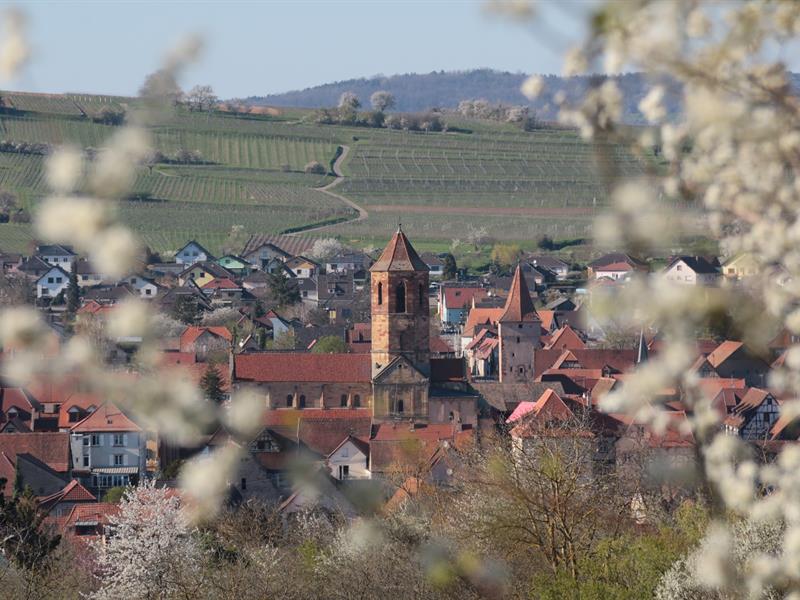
(125, 459)
(99, 439)
(125, 439)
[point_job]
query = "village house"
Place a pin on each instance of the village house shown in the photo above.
(302, 267)
(615, 266)
(192, 253)
(741, 266)
(347, 261)
(108, 449)
(202, 272)
(691, 270)
(454, 302)
(435, 264)
(235, 264)
(264, 254)
(52, 283)
(57, 256)
(556, 266)
(88, 274)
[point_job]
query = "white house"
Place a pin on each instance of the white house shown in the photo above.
(146, 288)
(52, 283)
(302, 267)
(57, 255)
(691, 270)
(435, 264)
(108, 449)
(192, 253)
(263, 255)
(349, 460)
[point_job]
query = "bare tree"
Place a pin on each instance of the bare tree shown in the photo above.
(382, 100)
(201, 98)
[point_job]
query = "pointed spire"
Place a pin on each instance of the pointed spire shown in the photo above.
(641, 354)
(519, 306)
(399, 255)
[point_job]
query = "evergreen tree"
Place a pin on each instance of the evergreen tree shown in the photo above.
(186, 310)
(211, 384)
(73, 292)
(450, 269)
(258, 310)
(283, 291)
(23, 539)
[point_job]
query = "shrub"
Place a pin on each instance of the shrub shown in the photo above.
(314, 167)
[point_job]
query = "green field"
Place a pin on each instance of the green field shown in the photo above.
(518, 186)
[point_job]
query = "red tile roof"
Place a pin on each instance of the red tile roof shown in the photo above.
(320, 429)
(106, 418)
(81, 401)
(566, 338)
(399, 255)
(480, 316)
(266, 367)
(461, 297)
(589, 358)
(549, 405)
(519, 306)
(72, 492)
(723, 352)
(50, 448)
(191, 333)
(394, 443)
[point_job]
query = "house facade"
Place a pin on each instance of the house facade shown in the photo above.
(192, 253)
(52, 283)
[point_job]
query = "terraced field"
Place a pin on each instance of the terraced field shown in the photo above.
(516, 186)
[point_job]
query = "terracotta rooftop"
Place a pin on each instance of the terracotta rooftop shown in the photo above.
(106, 418)
(50, 448)
(191, 333)
(266, 367)
(519, 306)
(399, 255)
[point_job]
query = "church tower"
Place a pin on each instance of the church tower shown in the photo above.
(400, 332)
(400, 310)
(519, 329)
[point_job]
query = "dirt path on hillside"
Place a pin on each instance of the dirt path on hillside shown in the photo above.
(550, 211)
(337, 170)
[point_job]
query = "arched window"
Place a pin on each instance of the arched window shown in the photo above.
(302, 402)
(400, 293)
(380, 293)
(400, 406)
(356, 401)
(421, 295)
(289, 399)
(343, 401)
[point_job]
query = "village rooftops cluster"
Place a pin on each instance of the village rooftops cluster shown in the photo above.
(509, 352)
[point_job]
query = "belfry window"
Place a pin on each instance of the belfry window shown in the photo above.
(400, 406)
(380, 293)
(400, 293)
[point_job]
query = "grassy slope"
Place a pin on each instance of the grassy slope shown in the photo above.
(519, 186)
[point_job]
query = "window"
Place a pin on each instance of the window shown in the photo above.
(86, 461)
(119, 439)
(518, 339)
(344, 471)
(59, 279)
(148, 292)
(345, 452)
(343, 400)
(86, 440)
(85, 277)
(521, 370)
(679, 268)
(400, 406)
(289, 399)
(400, 297)
(50, 280)
(356, 401)
(380, 293)
(96, 439)
(244, 483)
(119, 460)
(302, 402)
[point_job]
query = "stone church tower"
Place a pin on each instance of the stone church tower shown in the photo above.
(400, 332)
(519, 329)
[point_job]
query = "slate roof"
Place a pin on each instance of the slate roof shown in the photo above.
(505, 396)
(399, 255)
(616, 257)
(320, 430)
(266, 367)
(698, 264)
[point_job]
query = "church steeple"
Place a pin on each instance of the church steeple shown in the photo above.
(519, 329)
(399, 255)
(519, 306)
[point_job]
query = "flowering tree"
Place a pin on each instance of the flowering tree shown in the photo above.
(153, 552)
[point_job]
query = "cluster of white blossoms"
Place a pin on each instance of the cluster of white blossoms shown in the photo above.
(733, 156)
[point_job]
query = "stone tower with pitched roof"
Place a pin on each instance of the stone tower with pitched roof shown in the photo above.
(518, 330)
(400, 331)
